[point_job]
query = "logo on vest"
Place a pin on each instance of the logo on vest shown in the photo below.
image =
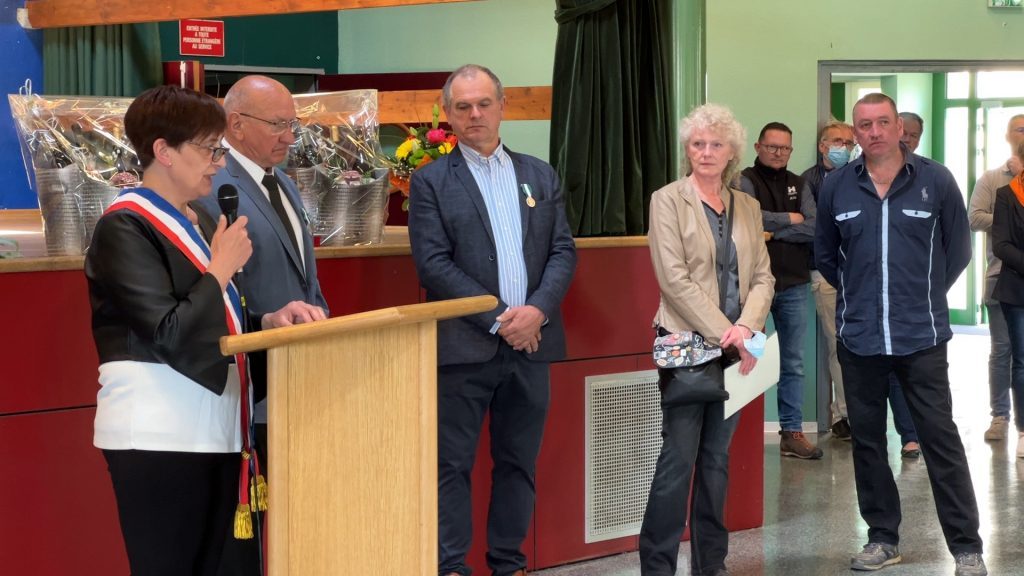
(791, 191)
(924, 194)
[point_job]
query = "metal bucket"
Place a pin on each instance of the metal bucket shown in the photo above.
(70, 205)
(312, 184)
(354, 214)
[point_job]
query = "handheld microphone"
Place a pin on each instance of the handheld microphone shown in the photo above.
(227, 199)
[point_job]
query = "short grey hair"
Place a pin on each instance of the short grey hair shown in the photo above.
(833, 124)
(468, 71)
(720, 120)
(912, 116)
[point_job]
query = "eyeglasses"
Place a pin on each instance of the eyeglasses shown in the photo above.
(841, 142)
(773, 149)
(216, 152)
(278, 127)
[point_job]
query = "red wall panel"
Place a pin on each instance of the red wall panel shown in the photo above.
(55, 484)
(46, 348)
(611, 303)
(57, 509)
(353, 285)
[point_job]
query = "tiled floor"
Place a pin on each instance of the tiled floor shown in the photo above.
(811, 520)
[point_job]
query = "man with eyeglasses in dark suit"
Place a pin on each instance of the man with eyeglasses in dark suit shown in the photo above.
(261, 128)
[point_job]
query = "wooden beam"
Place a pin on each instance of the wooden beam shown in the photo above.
(61, 13)
(415, 106)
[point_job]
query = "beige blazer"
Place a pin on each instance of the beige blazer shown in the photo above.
(683, 253)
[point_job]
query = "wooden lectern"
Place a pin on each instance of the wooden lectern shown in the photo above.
(353, 440)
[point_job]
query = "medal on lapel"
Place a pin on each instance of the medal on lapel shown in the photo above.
(528, 192)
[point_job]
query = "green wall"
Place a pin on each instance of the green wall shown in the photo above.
(307, 40)
(762, 59)
(514, 38)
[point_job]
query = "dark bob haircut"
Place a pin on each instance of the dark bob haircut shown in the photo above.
(173, 113)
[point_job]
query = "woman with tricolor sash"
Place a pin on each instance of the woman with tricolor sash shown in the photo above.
(172, 415)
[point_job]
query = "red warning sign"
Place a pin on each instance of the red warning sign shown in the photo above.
(201, 38)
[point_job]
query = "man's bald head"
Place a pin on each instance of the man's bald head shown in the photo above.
(259, 111)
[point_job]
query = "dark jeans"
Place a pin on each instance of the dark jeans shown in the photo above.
(999, 362)
(789, 312)
(925, 381)
(1015, 326)
(516, 392)
(174, 508)
(900, 412)
(695, 444)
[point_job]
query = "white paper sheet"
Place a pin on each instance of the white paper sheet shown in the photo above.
(743, 389)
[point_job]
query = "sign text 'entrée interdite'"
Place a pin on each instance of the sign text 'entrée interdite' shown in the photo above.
(201, 38)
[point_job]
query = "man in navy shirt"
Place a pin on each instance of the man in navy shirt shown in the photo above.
(892, 236)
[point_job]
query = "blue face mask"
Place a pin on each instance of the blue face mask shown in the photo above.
(755, 344)
(838, 156)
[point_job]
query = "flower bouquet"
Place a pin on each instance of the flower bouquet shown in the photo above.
(422, 146)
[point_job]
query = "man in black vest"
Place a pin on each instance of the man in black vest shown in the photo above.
(788, 210)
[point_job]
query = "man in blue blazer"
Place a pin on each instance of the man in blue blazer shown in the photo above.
(282, 271)
(486, 220)
(261, 123)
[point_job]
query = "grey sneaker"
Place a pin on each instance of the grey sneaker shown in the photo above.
(998, 429)
(877, 555)
(970, 564)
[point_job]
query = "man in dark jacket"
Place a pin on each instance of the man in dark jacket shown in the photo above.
(486, 220)
(893, 238)
(788, 212)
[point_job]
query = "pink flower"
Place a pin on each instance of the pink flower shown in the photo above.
(436, 136)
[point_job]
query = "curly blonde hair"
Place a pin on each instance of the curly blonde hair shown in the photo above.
(720, 120)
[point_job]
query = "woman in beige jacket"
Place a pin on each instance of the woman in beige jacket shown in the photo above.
(688, 242)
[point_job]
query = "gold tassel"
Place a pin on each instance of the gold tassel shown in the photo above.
(243, 522)
(261, 493)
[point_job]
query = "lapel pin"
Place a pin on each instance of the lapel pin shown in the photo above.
(529, 195)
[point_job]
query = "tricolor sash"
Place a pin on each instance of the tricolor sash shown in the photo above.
(177, 229)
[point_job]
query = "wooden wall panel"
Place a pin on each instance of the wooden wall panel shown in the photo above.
(59, 13)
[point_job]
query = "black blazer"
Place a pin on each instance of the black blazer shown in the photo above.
(151, 304)
(454, 252)
(1008, 246)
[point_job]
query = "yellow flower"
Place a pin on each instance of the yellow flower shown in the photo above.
(406, 149)
(446, 147)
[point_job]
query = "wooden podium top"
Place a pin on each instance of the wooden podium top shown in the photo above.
(395, 316)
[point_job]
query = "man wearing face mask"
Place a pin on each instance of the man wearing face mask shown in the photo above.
(835, 144)
(788, 212)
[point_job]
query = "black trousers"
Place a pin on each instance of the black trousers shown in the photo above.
(175, 508)
(924, 376)
(695, 445)
(516, 391)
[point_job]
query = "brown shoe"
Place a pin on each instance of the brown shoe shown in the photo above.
(795, 444)
(998, 430)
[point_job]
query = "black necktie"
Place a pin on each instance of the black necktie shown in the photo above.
(270, 183)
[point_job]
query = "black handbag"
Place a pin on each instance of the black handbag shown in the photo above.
(703, 382)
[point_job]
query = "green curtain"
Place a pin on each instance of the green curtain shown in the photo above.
(611, 119)
(115, 60)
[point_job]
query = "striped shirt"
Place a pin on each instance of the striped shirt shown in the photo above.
(496, 177)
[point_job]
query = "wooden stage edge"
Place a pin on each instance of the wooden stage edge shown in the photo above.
(25, 227)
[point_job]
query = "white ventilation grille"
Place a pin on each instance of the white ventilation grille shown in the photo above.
(623, 441)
